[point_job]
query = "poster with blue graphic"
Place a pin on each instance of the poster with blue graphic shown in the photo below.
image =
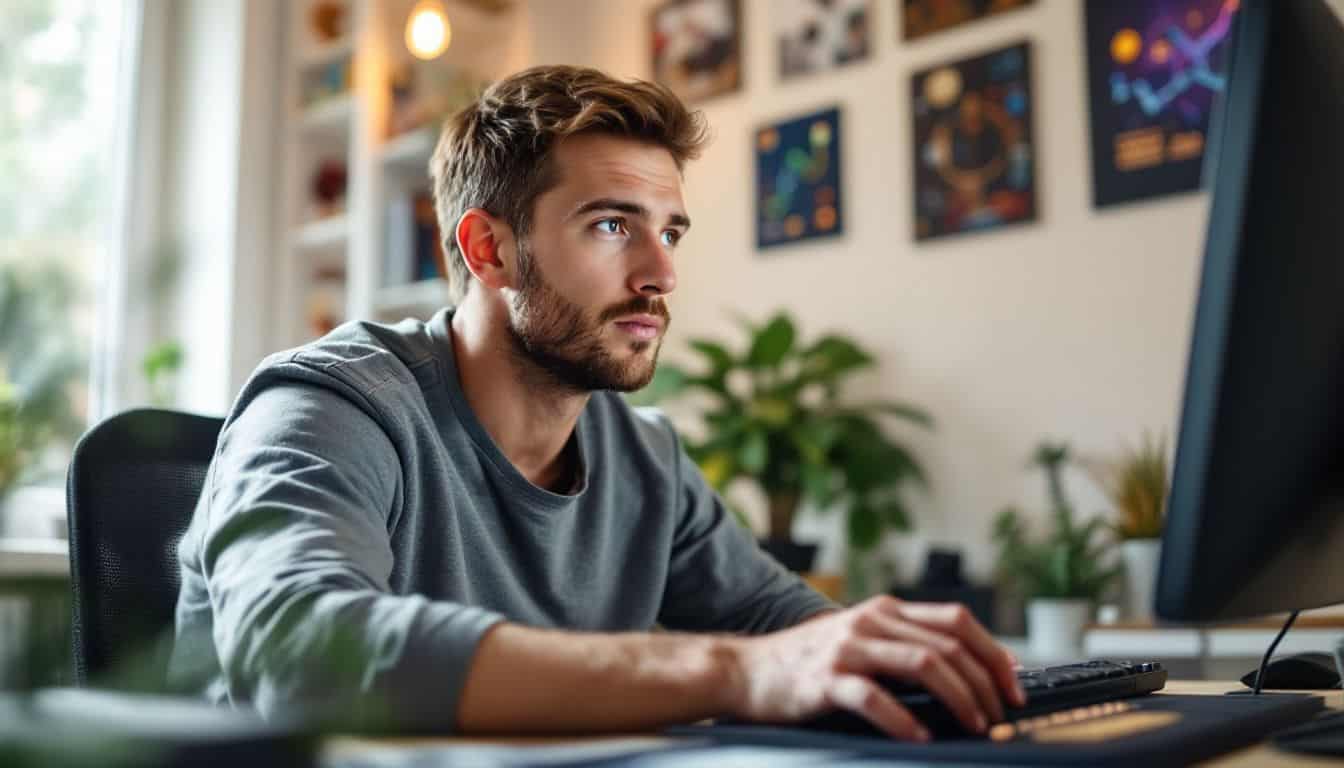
(974, 157)
(798, 180)
(1155, 70)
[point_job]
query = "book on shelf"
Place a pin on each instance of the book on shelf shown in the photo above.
(429, 257)
(414, 247)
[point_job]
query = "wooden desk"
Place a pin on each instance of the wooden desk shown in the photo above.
(1261, 755)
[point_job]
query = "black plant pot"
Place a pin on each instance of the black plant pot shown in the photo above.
(793, 555)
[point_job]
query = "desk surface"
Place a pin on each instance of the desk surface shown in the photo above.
(1260, 756)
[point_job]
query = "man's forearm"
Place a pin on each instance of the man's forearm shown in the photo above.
(530, 680)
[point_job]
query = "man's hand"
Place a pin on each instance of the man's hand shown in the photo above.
(829, 663)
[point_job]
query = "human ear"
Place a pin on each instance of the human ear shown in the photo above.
(480, 238)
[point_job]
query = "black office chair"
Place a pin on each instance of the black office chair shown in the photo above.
(133, 484)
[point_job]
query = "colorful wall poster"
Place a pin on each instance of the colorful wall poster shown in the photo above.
(697, 47)
(925, 17)
(819, 35)
(1154, 71)
(974, 156)
(798, 194)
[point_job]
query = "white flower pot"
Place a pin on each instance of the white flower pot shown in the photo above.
(1055, 629)
(1141, 557)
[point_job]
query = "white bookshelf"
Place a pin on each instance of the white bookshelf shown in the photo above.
(350, 261)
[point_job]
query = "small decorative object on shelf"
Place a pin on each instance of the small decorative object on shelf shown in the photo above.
(325, 298)
(327, 19)
(329, 188)
(326, 81)
(322, 314)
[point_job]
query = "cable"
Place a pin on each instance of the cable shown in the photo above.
(1260, 675)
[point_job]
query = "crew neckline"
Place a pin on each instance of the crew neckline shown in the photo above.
(446, 353)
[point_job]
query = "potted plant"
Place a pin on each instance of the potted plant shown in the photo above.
(1137, 483)
(1061, 574)
(777, 418)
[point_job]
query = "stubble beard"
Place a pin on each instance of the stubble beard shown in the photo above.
(557, 341)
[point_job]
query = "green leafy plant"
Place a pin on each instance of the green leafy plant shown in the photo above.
(1069, 561)
(40, 360)
(159, 365)
(777, 417)
(1137, 484)
(12, 438)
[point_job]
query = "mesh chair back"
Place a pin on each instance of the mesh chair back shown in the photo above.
(132, 487)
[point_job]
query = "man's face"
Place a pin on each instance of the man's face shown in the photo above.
(595, 268)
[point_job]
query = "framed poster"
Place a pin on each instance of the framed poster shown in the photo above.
(974, 158)
(697, 47)
(798, 193)
(1154, 70)
(925, 17)
(819, 35)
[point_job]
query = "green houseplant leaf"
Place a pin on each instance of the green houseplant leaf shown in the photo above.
(668, 381)
(772, 343)
(831, 356)
(794, 445)
(719, 358)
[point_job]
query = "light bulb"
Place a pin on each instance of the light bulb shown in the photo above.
(427, 30)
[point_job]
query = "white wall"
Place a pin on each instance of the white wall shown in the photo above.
(1073, 327)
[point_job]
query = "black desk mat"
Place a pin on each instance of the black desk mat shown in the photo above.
(1159, 730)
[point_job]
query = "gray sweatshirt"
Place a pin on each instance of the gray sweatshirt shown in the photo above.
(359, 532)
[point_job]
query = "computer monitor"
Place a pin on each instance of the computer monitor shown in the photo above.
(1256, 512)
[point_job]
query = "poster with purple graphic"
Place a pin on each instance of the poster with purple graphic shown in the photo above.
(1155, 70)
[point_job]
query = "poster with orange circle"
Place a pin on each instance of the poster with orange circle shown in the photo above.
(1156, 69)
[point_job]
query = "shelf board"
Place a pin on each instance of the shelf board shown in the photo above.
(329, 116)
(409, 152)
(318, 54)
(425, 294)
(330, 232)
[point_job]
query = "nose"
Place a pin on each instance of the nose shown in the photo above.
(653, 273)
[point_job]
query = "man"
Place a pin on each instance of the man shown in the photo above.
(459, 525)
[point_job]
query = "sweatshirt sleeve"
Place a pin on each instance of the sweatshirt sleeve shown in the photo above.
(719, 579)
(296, 555)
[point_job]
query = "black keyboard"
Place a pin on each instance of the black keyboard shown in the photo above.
(1078, 690)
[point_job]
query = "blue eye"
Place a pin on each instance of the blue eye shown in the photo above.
(671, 237)
(610, 226)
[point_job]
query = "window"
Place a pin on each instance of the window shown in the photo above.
(65, 94)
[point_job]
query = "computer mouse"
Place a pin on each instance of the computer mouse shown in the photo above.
(1299, 672)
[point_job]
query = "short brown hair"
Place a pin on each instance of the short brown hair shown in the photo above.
(495, 153)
